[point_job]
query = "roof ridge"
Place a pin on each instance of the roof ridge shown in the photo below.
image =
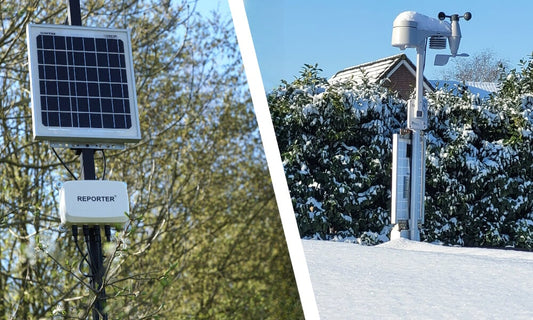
(362, 65)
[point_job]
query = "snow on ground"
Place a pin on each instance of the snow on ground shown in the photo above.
(404, 279)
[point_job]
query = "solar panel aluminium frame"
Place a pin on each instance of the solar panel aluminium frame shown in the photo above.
(86, 133)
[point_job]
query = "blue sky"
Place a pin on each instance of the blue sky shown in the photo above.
(206, 6)
(338, 33)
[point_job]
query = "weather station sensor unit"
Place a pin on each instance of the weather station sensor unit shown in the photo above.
(93, 202)
(82, 86)
(412, 30)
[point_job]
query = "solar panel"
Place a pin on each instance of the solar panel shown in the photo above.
(82, 84)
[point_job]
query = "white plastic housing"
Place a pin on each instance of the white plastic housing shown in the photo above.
(93, 202)
(404, 34)
(410, 29)
(417, 116)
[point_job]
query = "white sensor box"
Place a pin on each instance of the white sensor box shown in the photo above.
(93, 202)
(417, 117)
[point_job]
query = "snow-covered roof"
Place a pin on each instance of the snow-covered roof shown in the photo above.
(484, 89)
(377, 70)
(374, 70)
(485, 86)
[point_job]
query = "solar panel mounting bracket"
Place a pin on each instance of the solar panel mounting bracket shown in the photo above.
(96, 146)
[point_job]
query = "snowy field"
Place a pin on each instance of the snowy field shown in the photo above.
(403, 279)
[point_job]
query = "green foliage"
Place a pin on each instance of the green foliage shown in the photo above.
(516, 83)
(204, 239)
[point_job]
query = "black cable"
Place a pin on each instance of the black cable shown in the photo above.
(84, 255)
(107, 229)
(86, 235)
(75, 233)
(105, 167)
(63, 163)
(80, 266)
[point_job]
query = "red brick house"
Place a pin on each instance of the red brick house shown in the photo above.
(398, 72)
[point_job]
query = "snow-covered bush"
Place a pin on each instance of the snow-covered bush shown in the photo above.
(335, 141)
(524, 233)
(369, 238)
(479, 171)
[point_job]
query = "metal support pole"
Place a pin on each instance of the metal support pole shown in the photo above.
(94, 245)
(87, 164)
(417, 156)
(88, 172)
(74, 13)
(415, 187)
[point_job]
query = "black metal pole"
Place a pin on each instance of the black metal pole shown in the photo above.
(74, 13)
(87, 164)
(94, 246)
(88, 172)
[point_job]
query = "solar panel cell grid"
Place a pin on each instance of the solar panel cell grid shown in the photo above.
(83, 82)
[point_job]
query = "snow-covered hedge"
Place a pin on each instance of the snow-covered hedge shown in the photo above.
(336, 148)
(335, 142)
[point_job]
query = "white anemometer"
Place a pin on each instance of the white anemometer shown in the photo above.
(411, 30)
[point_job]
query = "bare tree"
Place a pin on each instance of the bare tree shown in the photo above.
(483, 66)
